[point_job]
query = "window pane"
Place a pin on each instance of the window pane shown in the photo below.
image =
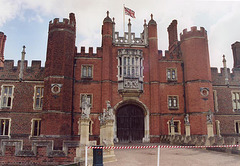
(41, 103)
(10, 90)
(128, 72)
(90, 71)
(35, 123)
(176, 127)
(137, 71)
(6, 126)
(173, 74)
(42, 91)
(120, 71)
(234, 105)
(38, 92)
(169, 102)
(5, 90)
(120, 61)
(9, 101)
(168, 74)
(4, 101)
(237, 127)
(84, 71)
(1, 126)
(37, 102)
(133, 71)
(124, 61)
(39, 127)
(174, 102)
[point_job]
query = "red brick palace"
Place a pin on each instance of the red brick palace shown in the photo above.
(40, 107)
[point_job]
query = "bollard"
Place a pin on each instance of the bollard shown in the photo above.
(97, 156)
(158, 158)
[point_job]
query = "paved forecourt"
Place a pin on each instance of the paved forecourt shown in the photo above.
(172, 157)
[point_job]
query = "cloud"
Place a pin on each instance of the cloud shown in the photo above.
(219, 18)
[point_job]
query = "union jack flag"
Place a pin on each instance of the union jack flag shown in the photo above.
(129, 12)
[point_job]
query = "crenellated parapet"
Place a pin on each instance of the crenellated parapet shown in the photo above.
(202, 33)
(129, 37)
(171, 56)
(34, 72)
(218, 78)
(89, 53)
(65, 25)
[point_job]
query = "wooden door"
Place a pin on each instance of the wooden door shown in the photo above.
(130, 124)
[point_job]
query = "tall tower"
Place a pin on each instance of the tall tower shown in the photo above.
(153, 67)
(236, 54)
(107, 34)
(2, 45)
(197, 77)
(58, 81)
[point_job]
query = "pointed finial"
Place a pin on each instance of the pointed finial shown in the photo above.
(23, 51)
(107, 13)
(129, 20)
(113, 19)
(145, 21)
(224, 60)
(151, 16)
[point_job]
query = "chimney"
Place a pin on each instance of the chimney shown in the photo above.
(22, 64)
(2, 45)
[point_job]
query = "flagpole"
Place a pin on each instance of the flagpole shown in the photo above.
(123, 19)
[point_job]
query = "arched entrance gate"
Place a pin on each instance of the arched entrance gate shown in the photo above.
(130, 123)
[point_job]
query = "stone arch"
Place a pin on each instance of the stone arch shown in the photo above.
(146, 116)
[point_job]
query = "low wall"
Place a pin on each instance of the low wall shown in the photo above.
(42, 153)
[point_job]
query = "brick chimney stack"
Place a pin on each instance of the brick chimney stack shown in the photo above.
(2, 45)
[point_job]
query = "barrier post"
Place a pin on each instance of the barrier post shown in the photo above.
(158, 158)
(86, 155)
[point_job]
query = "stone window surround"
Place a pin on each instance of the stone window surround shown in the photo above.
(171, 69)
(237, 103)
(9, 127)
(91, 101)
(179, 126)
(86, 65)
(173, 108)
(34, 96)
(12, 97)
(130, 54)
(32, 127)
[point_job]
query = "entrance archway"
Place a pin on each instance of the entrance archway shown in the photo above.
(130, 123)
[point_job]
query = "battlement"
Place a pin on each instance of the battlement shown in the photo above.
(33, 72)
(170, 56)
(65, 24)
(90, 52)
(218, 78)
(129, 37)
(193, 33)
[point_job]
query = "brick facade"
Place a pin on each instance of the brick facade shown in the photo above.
(65, 79)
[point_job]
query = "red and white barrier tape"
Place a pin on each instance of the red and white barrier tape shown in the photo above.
(161, 146)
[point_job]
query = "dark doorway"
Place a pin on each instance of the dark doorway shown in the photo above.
(130, 124)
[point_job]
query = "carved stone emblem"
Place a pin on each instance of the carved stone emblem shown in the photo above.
(131, 84)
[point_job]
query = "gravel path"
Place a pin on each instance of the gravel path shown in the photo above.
(172, 157)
